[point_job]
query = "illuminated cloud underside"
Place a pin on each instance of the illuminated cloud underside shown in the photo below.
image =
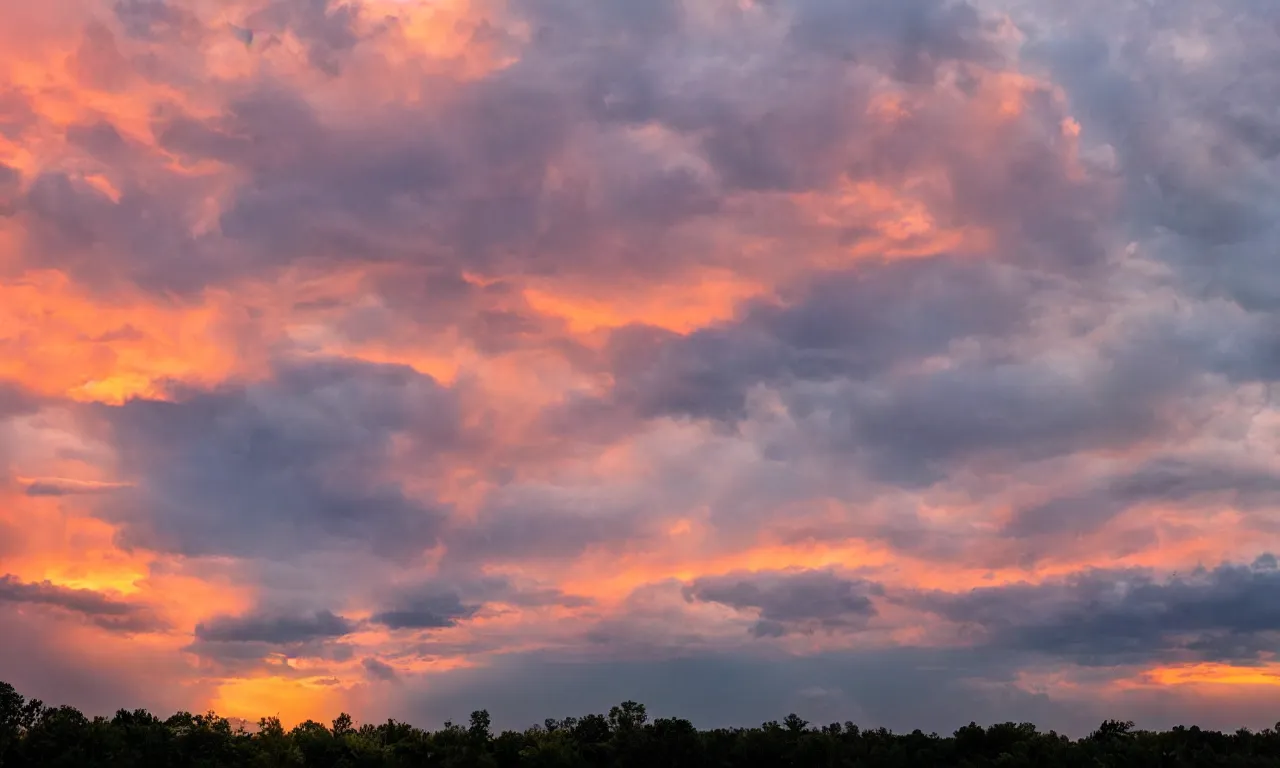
(907, 363)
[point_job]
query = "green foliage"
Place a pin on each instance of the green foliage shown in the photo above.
(33, 735)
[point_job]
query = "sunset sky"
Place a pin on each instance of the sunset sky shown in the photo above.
(906, 362)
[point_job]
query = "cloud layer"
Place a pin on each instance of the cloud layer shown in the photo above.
(396, 355)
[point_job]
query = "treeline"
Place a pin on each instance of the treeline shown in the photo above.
(33, 735)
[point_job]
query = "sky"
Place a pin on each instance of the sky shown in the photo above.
(907, 363)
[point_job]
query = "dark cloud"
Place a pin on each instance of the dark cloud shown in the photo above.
(16, 400)
(291, 465)
(466, 184)
(845, 358)
(533, 534)
(1189, 139)
(70, 223)
(560, 23)
(368, 195)
(238, 658)
(426, 610)
(379, 670)
(1211, 337)
(911, 429)
(100, 139)
(1229, 613)
(98, 61)
(791, 601)
(535, 523)
(157, 21)
(775, 126)
(328, 29)
(16, 113)
(916, 35)
(1168, 481)
(57, 486)
(471, 588)
(103, 611)
(273, 628)
(10, 187)
(265, 639)
(854, 325)
(504, 590)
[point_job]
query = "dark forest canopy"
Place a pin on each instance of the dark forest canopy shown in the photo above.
(33, 735)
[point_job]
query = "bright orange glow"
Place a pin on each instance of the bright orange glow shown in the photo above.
(1212, 674)
(292, 700)
(58, 340)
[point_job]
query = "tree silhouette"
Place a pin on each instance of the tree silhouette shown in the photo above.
(33, 735)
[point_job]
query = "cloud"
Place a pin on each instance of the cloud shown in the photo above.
(427, 610)
(791, 601)
(157, 21)
(1110, 617)
(10, 186)
(327, 28)
(58, 486)
(274, 629)
(912, 428)
(1169, 480)
(544, 523)
(294, 464)
(506, 590)
(379, 670)
(264, 640)
(454, 601)
(16, 114)
(46, 659)
(67, 220)
(98, 61)
(915, 35)
(467, 181)
(850, 325)
(1185, 130)
(554, 344)
(848, 362)
(103, 611)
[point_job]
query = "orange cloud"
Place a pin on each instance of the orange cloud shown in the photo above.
(60, 340)
(1209, 675)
